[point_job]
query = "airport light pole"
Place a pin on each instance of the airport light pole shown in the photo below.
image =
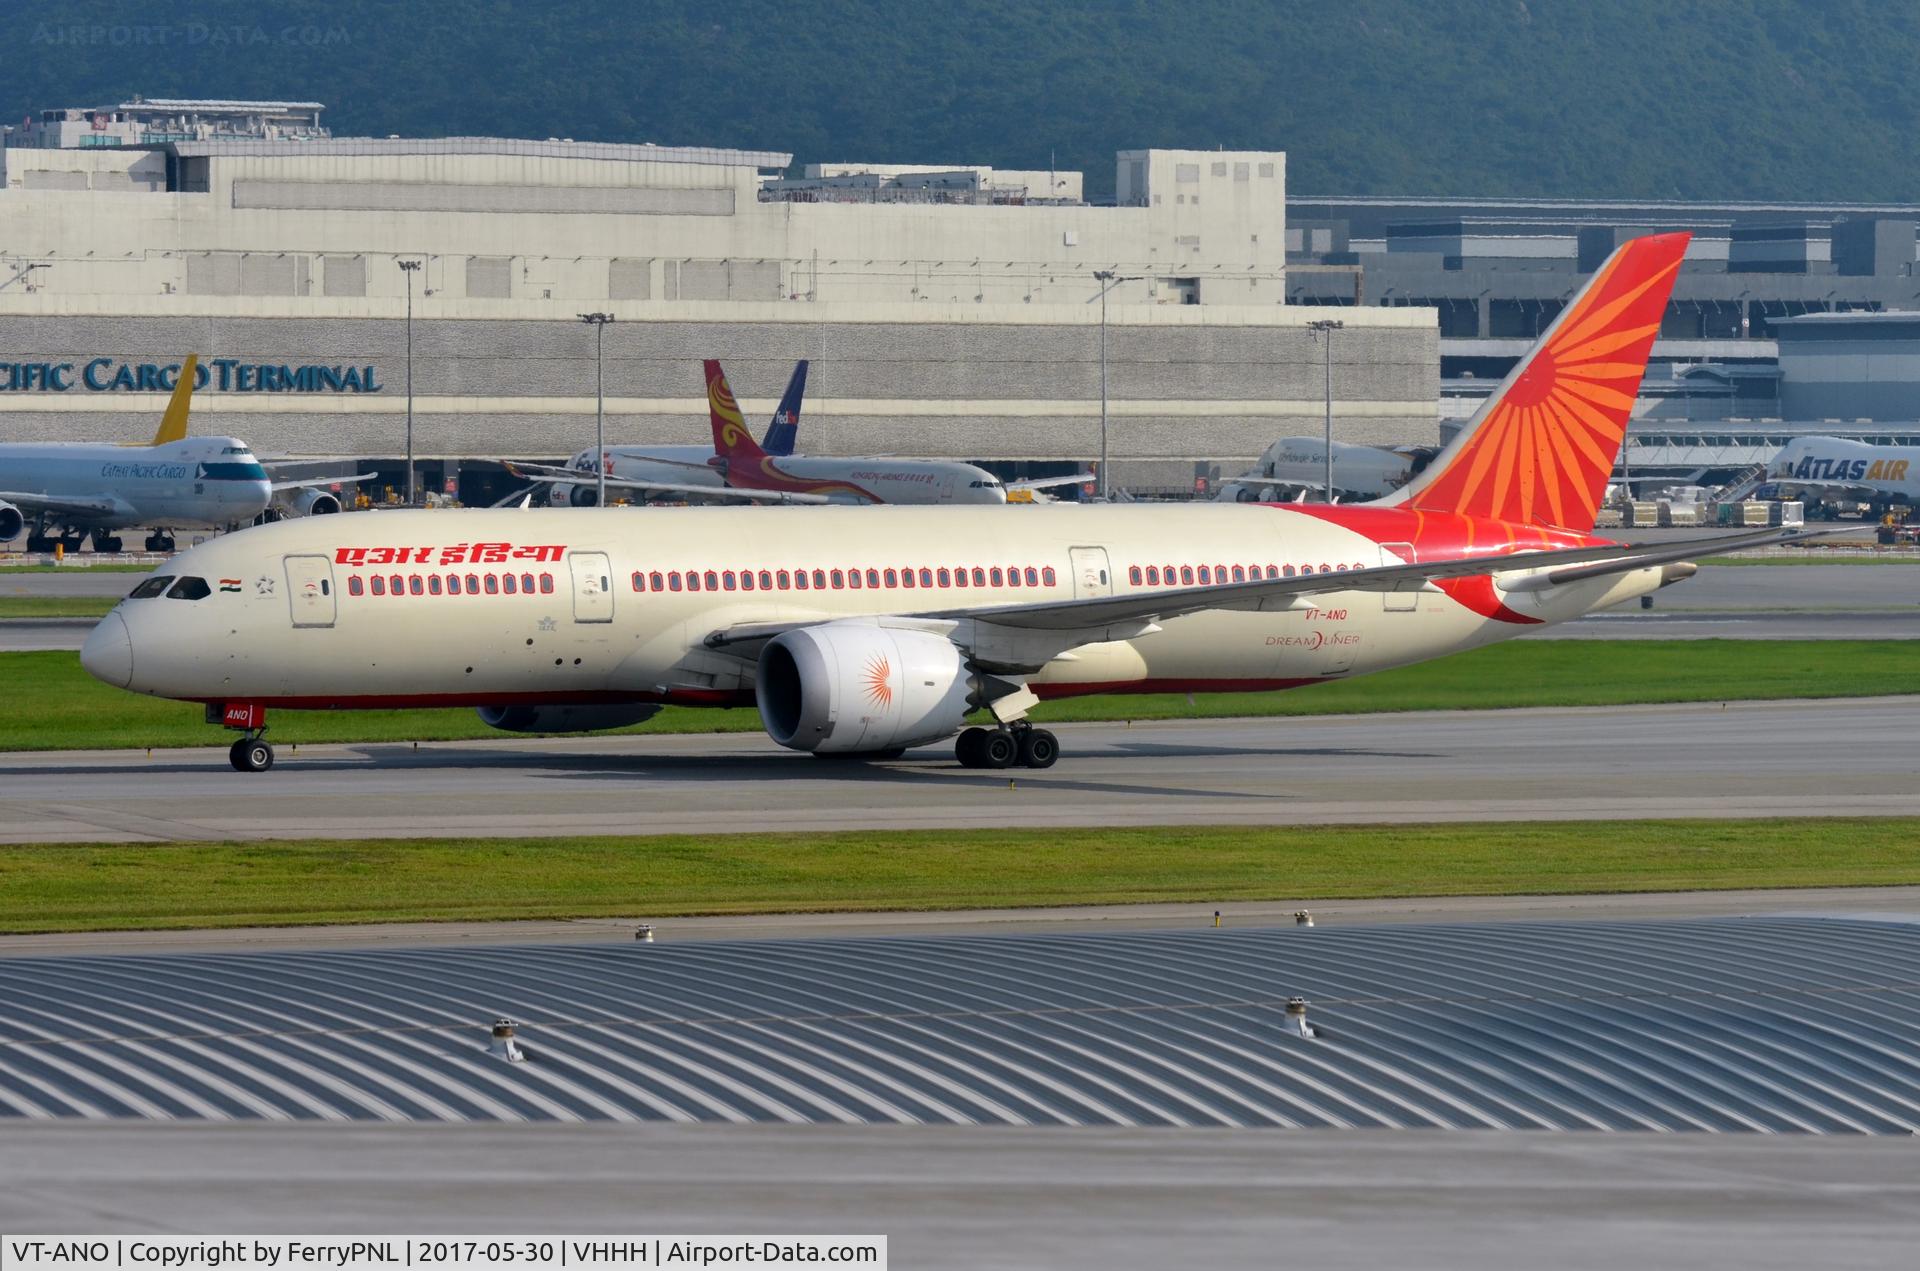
(1108, 280)
(409, 267)
(598, 321)
(1325, 327)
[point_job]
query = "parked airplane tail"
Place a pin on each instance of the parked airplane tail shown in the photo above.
(784, 430)
(1541, 449)
(173, 424)
(731, 441)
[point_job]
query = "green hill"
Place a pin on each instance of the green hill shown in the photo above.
(1630, 98)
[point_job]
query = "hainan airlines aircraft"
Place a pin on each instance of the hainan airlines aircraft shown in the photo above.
(737, 468)
(864, 631)
(69, 491)
(668, 470)
(1835, 468)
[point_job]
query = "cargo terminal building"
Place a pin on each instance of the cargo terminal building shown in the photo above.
(947, 311)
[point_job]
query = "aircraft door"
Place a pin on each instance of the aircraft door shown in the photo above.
(1405, 598)
(592, 586)
(1090, 577)
(310, 590)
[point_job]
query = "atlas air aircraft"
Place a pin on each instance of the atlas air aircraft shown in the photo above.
(1834, 468)
(737, 468)
(862, 631)
(68, 491)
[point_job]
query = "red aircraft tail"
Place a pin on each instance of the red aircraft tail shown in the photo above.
(1539, 452)
(731, 440)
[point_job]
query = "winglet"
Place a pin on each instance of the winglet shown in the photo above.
(1540, 450)
(784, 430)
(173, 424)
(731, 440)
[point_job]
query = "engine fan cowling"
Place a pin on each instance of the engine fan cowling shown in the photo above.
(844, 688)
(310, 503)
(565, 719)
(11, 522)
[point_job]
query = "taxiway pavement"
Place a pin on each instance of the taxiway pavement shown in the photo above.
(1743, 759)
(29, 635)
(1882, 903)
(1022, 1197)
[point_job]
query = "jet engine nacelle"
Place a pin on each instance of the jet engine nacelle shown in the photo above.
(11, 522)
(308, 502)
(847, 687)
(565, 719)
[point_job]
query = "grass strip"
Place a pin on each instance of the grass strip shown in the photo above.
(49, 703)
(113, 887)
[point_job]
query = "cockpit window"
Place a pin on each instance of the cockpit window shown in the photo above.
(236, 450)
(152, 586)
(190, 589)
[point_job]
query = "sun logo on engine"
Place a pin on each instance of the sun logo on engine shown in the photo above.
(880, 682)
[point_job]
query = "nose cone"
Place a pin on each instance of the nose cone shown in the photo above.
(107, 653)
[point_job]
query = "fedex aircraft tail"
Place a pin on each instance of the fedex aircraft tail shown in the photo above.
(1540, 450)
(731, 441)
(784, 430)
(173, 424)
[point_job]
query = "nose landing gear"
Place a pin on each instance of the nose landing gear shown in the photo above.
(250, 754)
(1018, 744)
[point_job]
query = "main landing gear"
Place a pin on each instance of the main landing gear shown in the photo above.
(159, 541)
(1019, 744)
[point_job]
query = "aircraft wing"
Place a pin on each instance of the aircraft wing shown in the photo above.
(309, 482)
(62, 505)
(535, 474)
(1047, 483)
(1028, 635)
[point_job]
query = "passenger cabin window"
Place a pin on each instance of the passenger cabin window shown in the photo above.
(190, 589)
(151, 586)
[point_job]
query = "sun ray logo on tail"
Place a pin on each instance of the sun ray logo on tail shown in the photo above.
(1540, 451)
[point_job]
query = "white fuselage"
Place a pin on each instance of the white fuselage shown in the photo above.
(582, 605)
(200, 482)
(1293, 464)
(1849, 469)
(841, 480)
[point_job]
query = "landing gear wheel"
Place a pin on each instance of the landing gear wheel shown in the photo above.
(159, 542)
(967, 748)
(1038, 748)
(106, 543)
(999, 750)
(71, 543)
(39, 543)
(250, 754)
